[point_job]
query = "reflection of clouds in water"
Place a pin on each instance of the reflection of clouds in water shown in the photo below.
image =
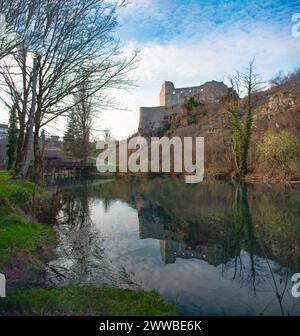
(198, 287)
(81, 256)
(205, 288)
(108, 249)
(119, 213)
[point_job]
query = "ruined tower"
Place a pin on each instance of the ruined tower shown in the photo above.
(166, 90)
(154, 120)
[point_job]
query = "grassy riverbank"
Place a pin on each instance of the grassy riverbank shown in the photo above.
(20, 235)
(25, 248)
(85, 300)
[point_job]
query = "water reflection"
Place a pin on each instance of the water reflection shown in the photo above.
(81, 258)
(214, 248)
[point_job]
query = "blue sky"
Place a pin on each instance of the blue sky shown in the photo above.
(193, 41)
(164, 20)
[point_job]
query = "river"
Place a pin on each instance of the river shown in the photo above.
(214, 248)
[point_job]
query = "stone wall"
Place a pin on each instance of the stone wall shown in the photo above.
(154, 120)
(210, 92)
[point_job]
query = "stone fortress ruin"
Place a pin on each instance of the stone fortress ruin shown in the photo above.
(154, 120)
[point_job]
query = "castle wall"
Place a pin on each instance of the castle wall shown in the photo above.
(210, 92)
(153, 120)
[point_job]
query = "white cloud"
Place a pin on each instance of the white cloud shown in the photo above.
(194, 61)
(133, 7)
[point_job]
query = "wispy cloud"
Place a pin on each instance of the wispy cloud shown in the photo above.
(192, 41)
(165, 20)
(201, 58)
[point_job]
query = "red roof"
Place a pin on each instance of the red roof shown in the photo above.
(3, 126)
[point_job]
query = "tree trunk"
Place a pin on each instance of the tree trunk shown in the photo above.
(29, 136)
(38, 157)
(22, 118)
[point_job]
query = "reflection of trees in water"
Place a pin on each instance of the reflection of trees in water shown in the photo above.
(221, 224)
(81, 255)
(76, 215)
(77, 239)
(243, 232)
(261, 269)
(107, 205)
(239, 226)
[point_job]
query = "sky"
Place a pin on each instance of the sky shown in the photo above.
(190, 42)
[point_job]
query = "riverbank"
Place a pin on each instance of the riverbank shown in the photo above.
(26, 246)
(212, 176)
(85, 300)
(21, 237)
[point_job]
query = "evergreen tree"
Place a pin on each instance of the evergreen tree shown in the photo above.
(72, 135)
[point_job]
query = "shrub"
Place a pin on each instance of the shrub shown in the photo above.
(279, 151)
(189, 105)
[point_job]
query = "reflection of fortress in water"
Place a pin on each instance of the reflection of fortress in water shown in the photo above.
(154, 223)
(213, 222)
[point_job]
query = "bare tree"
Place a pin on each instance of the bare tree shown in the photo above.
(67, 37)
(279, 79)
(241, 115)
(16, 75)
(81, 119)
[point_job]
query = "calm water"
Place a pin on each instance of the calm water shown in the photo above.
(215, 249)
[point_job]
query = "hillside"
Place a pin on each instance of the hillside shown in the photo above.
(276, 112)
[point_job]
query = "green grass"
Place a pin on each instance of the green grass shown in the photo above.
(4, 175)
(14, 191)
(18, 236)
(17, 191)
(15, 232)
(85, 300)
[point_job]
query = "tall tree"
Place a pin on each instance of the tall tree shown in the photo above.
(65, 36)
(241, 115)
(70, 144)
(87, 105)
(84, 112)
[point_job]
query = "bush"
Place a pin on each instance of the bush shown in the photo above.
(279, 151)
